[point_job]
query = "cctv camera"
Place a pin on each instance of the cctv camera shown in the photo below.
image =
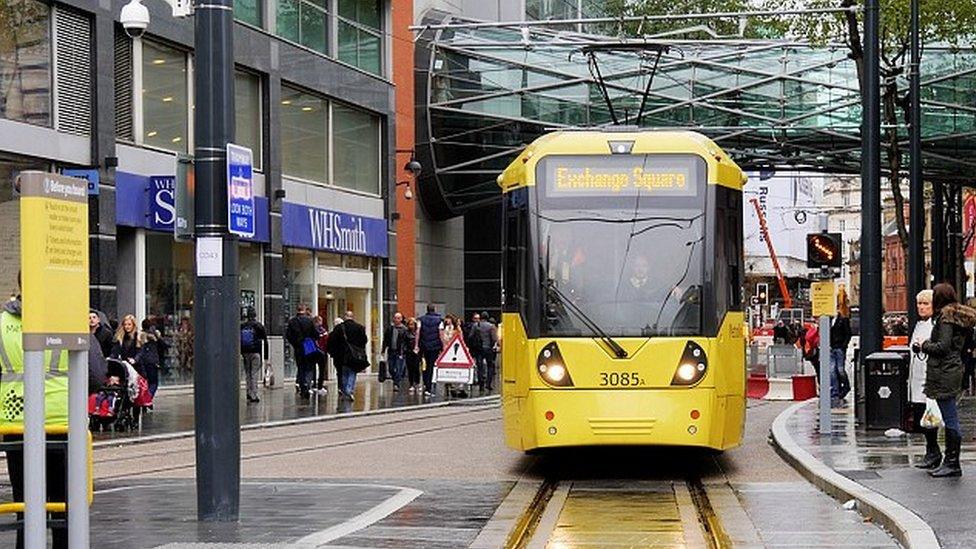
(413, 167)
(134, 18)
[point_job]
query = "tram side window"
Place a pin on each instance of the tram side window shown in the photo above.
(516, 247)
(734, 251)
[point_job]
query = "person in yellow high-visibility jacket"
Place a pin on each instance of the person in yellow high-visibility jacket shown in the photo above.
(12, 412)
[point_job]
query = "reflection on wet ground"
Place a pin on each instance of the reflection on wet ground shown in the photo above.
(173, 409)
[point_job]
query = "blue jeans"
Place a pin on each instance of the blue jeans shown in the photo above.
(950, 414)
(397, 366)
(347, 380)
(840, 385)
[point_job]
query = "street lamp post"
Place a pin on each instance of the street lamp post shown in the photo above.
(216, 379)
(216, 314)
(871, 184)
(916, 194)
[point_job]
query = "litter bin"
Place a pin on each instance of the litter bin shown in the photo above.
(886, 390)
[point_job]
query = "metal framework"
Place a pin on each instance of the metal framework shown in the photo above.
(490, 89)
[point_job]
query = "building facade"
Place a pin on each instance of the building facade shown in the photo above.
(315, 101)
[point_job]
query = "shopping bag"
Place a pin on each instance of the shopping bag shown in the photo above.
(932, 418)
(383, 372)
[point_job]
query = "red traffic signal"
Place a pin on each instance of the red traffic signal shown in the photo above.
(824, 250)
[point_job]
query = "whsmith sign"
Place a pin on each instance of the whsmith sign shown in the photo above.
(318, 229)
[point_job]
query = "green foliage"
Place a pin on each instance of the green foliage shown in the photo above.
(724, 27)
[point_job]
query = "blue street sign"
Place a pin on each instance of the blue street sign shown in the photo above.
(90, 175)
(240, 190)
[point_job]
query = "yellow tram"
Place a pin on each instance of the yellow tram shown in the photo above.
(622, 279)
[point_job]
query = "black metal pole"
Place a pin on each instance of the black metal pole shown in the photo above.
(916, 193)
(871, 185)
(216, 315)
(938, 233)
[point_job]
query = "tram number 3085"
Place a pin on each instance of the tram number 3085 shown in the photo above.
(620, 379)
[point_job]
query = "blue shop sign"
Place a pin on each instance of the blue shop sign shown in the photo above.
(88, 174)
(150, 203)
(318, 229)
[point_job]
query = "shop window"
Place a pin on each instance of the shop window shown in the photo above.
(357, 262)
(248, 11)
(360, 34)
(25, 61)
(304, 135)
(250, 279)
(10, 166)
(326, 259)
(169, 303)
(164, 97)
(357, 146)
(299, 289)
(303, 21)
(247, 113)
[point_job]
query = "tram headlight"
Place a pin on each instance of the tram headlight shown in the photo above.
(552, 367)
(692, 366)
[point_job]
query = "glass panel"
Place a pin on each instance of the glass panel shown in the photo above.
(286, 22)
(25, 61)
(248, 11)
(10, 166)
(314, 25)
(357, 262)
(348, 46)
(169, 303)
(250, 279)
(357, 145)
(369, 52)
(329, 260)
(298, 290)
(304, 139)
(164, 101)
(247, 115)
(365, 12)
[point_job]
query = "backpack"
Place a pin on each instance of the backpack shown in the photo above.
(473, 339)
(248, 337)
(355, 355)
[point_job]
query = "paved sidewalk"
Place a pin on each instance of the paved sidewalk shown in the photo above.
(173, 409)
(884, 465)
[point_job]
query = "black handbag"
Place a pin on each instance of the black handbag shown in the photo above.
(383, 371)
(355, 355)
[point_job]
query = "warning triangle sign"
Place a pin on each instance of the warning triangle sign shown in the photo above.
(455, 355)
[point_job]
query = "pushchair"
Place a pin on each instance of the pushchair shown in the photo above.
(119, 404)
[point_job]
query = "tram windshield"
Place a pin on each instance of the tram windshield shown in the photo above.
(627, 252)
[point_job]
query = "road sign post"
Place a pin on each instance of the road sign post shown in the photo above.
(455, 364)
(240, 191)
(54, 256)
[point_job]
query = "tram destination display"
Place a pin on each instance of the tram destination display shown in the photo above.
(621, 175)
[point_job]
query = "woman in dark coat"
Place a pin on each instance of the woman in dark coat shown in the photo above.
(127, 341)
(944, 369)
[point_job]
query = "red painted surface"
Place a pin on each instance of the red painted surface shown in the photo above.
(406, 226)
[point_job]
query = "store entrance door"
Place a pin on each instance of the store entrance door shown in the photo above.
(334, 302)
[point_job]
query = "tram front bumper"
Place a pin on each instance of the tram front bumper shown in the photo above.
(591, 417)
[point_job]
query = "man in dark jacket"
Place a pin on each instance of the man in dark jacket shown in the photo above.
(345, 340)
(430, 344)
(487, 335)
(840, 338)
(394, 345)
(254, 345)
(300, 328)
(100, 330)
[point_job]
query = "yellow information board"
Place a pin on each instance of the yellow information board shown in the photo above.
(54, 261)
(824, 298)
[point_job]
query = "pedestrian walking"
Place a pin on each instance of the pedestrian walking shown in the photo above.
(944, 370)
(301, 335)
(431, 325)
(916, 379)
(127, 343)
(394, 345)
(322, 360)
(840, 338)
(102, 333)
(412, 354)
(347, 346)
(254, 347)
(150, 354)
(12, 415)
(488, 336)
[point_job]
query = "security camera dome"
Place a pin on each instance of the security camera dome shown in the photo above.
(414, 167)
(134, 18)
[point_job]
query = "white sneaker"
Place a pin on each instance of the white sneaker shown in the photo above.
(412, 390)
(352, 398)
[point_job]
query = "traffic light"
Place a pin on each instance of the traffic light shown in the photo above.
(762, 293)
(824, 250)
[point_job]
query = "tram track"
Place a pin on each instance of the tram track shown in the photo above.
(150, 457)
(529, 532)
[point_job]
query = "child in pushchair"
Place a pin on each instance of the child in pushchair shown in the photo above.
(119, 404)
